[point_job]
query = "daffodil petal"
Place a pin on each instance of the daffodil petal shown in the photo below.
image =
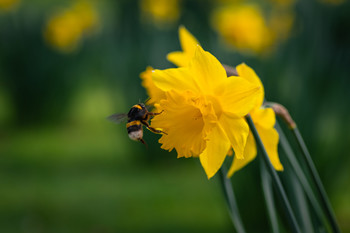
(178, 58)
(215, 153)
(249, 155)
(249, 74)
(237, 130)
(188, 41)
(237, 95)
(270, 138)
(154, 93)
(207, 69)
(264, 117)
(179, 79)
(183, 123)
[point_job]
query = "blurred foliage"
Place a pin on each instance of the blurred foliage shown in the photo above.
(64, 168)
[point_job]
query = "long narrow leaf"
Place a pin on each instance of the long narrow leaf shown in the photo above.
(276, 180)
(301, 204)
(268, 194)
(231, 201)
(300, 174)
(316, 179)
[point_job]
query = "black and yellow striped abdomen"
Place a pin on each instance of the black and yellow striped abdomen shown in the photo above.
(135, 131)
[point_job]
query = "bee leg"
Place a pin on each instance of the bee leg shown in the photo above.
(156, 130)
(154, 113)
(153, 129)
(143, 142)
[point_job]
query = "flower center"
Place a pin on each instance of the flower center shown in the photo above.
(216, 105)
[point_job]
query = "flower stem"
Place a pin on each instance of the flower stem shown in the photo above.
(268, 193)
(231, 201)
(299, 172)
(275, 178)
(316, 178)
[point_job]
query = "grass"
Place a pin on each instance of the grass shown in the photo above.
(68, 180)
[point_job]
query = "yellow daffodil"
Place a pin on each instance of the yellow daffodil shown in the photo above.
(333, 2)
(243, 26)
(65, 29)
(203, 110)
(160, 12)
(264, 120)
(8, 4)
(154, 93)
(188, 44)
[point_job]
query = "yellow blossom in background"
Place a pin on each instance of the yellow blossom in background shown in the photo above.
(243, 26)
(203, 110)
(284, 3)
(188, 44)
(264, 120)
(160, 12)
(333, 2)
(154, 93)
(8, 4)
(65, 29)
(281, 22)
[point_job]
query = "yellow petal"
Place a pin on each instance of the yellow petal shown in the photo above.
(215, 153)
(236, 129)
(154, 93)
(183, 123)
(270, 138)
(178, 58)
(208, 70)
(188, 41)
(264, 117)
(249, 74)
(179, 79)
(249, 155)
(237, 95)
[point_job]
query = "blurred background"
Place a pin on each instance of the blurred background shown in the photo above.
(66, 65)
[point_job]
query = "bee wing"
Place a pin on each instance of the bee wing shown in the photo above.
(118, 117)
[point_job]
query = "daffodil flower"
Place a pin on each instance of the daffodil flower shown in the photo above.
(236, 23)
(203, 110)
(154, 93)
(264, 120)
(188, 44)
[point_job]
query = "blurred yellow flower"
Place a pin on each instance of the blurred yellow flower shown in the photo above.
(243, 26)
(332, 2)
(188, 44)
(284, 3)
(8, 4)
(281, 22)
(154, 93)
(203, 110)
(160, 12)
(65, 29)
(264, 120)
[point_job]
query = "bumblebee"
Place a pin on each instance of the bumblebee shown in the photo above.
(137, 116)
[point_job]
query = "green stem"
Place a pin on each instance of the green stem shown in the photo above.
(268, 193)
(299, 172)
(231, 201)
(316, 178)
(275, 178)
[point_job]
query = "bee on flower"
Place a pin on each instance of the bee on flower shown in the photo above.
(203, 109)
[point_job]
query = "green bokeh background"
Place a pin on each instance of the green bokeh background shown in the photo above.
(64, 168)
